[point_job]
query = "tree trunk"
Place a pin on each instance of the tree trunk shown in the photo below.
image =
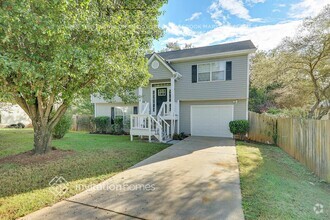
(312, 110)
(42, 120)
(42, 139)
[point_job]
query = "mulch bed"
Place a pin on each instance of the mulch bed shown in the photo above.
(29, 158)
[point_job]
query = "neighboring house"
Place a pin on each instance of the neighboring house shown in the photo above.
(197, 91)
(12, 114)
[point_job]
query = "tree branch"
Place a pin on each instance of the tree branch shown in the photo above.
(58, 114)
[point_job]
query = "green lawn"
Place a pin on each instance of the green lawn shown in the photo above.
(91, 159)
(275, 186)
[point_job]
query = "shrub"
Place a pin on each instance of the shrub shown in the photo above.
(176, 136)
(127, 123)
(118, 125)
(84, 123)
(62, 127)
(239, 127)
(102, 123)
(180, 136)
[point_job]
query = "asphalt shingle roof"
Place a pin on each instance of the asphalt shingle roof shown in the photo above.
(198, 51)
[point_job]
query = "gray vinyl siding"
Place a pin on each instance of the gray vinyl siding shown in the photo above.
(240, 111)
(104, 109)
(146, 91)
(161, 72)
(231, 89)
(146, 94)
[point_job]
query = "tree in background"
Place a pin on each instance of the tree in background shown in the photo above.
(298, 71)
(52, 52)
(170, 46)
(306, 58)
(82, 106)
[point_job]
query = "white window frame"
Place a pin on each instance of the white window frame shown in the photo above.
(211, 80)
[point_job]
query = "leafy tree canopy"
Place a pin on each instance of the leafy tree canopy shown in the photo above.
(53, 51)
(300, 67)
(170, 46)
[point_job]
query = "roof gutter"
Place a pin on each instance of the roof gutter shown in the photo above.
(215, 55)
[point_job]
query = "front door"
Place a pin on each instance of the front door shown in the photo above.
(161, 96)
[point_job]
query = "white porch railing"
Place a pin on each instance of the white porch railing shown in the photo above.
(147, 125)
(144, 124)
(167, 109)
(166, 135)
(144, 108)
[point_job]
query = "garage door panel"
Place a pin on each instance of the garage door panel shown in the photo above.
(211, 120)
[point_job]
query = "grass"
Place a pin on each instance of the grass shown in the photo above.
(275, 186)
(25, 187)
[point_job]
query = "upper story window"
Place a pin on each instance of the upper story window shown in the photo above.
(214, 71)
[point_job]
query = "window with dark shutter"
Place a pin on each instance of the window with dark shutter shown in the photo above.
(112, 114)
(228, 70)
(135, 110)
(194, 74)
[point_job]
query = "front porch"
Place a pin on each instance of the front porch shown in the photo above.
(158, 114)
(157, 117)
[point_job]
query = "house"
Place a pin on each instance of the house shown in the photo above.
(12, 114)
(197, 91)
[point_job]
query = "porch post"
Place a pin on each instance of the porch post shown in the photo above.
(173, 109)
(178, 121)
(140, 99)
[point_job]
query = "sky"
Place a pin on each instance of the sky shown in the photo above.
(210, 22)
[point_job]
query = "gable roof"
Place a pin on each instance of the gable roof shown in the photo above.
(239, 46)
(164, 62)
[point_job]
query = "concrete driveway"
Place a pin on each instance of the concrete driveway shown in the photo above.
(197, 178)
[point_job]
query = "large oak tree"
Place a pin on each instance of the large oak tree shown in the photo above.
(52, 51)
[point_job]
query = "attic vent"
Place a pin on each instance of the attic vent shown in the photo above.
(155, 64)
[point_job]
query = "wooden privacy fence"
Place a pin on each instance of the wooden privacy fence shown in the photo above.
(262, 128)
(306, 140)
(82, 123)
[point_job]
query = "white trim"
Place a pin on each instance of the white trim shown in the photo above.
(207, 106)
(179, 115)
(152, 112)
(161, 82)
(207, 56)
(151, 98)
(247, 87)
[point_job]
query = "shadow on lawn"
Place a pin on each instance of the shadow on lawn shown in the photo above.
(19, 178)
(176, 192)
(80, 165)
(274, 184)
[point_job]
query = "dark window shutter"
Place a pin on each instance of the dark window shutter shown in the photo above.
(112, 114)
(228, 70)
(194, 74)
(135, 110)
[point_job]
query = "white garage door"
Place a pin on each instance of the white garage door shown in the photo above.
(211, 120)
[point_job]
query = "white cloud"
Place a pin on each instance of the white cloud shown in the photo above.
(281, 5)
(276, 10)
(255, 1)
(234, 7)
(265, 37)
(307, 8)
(178, 30)
(194, 16)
